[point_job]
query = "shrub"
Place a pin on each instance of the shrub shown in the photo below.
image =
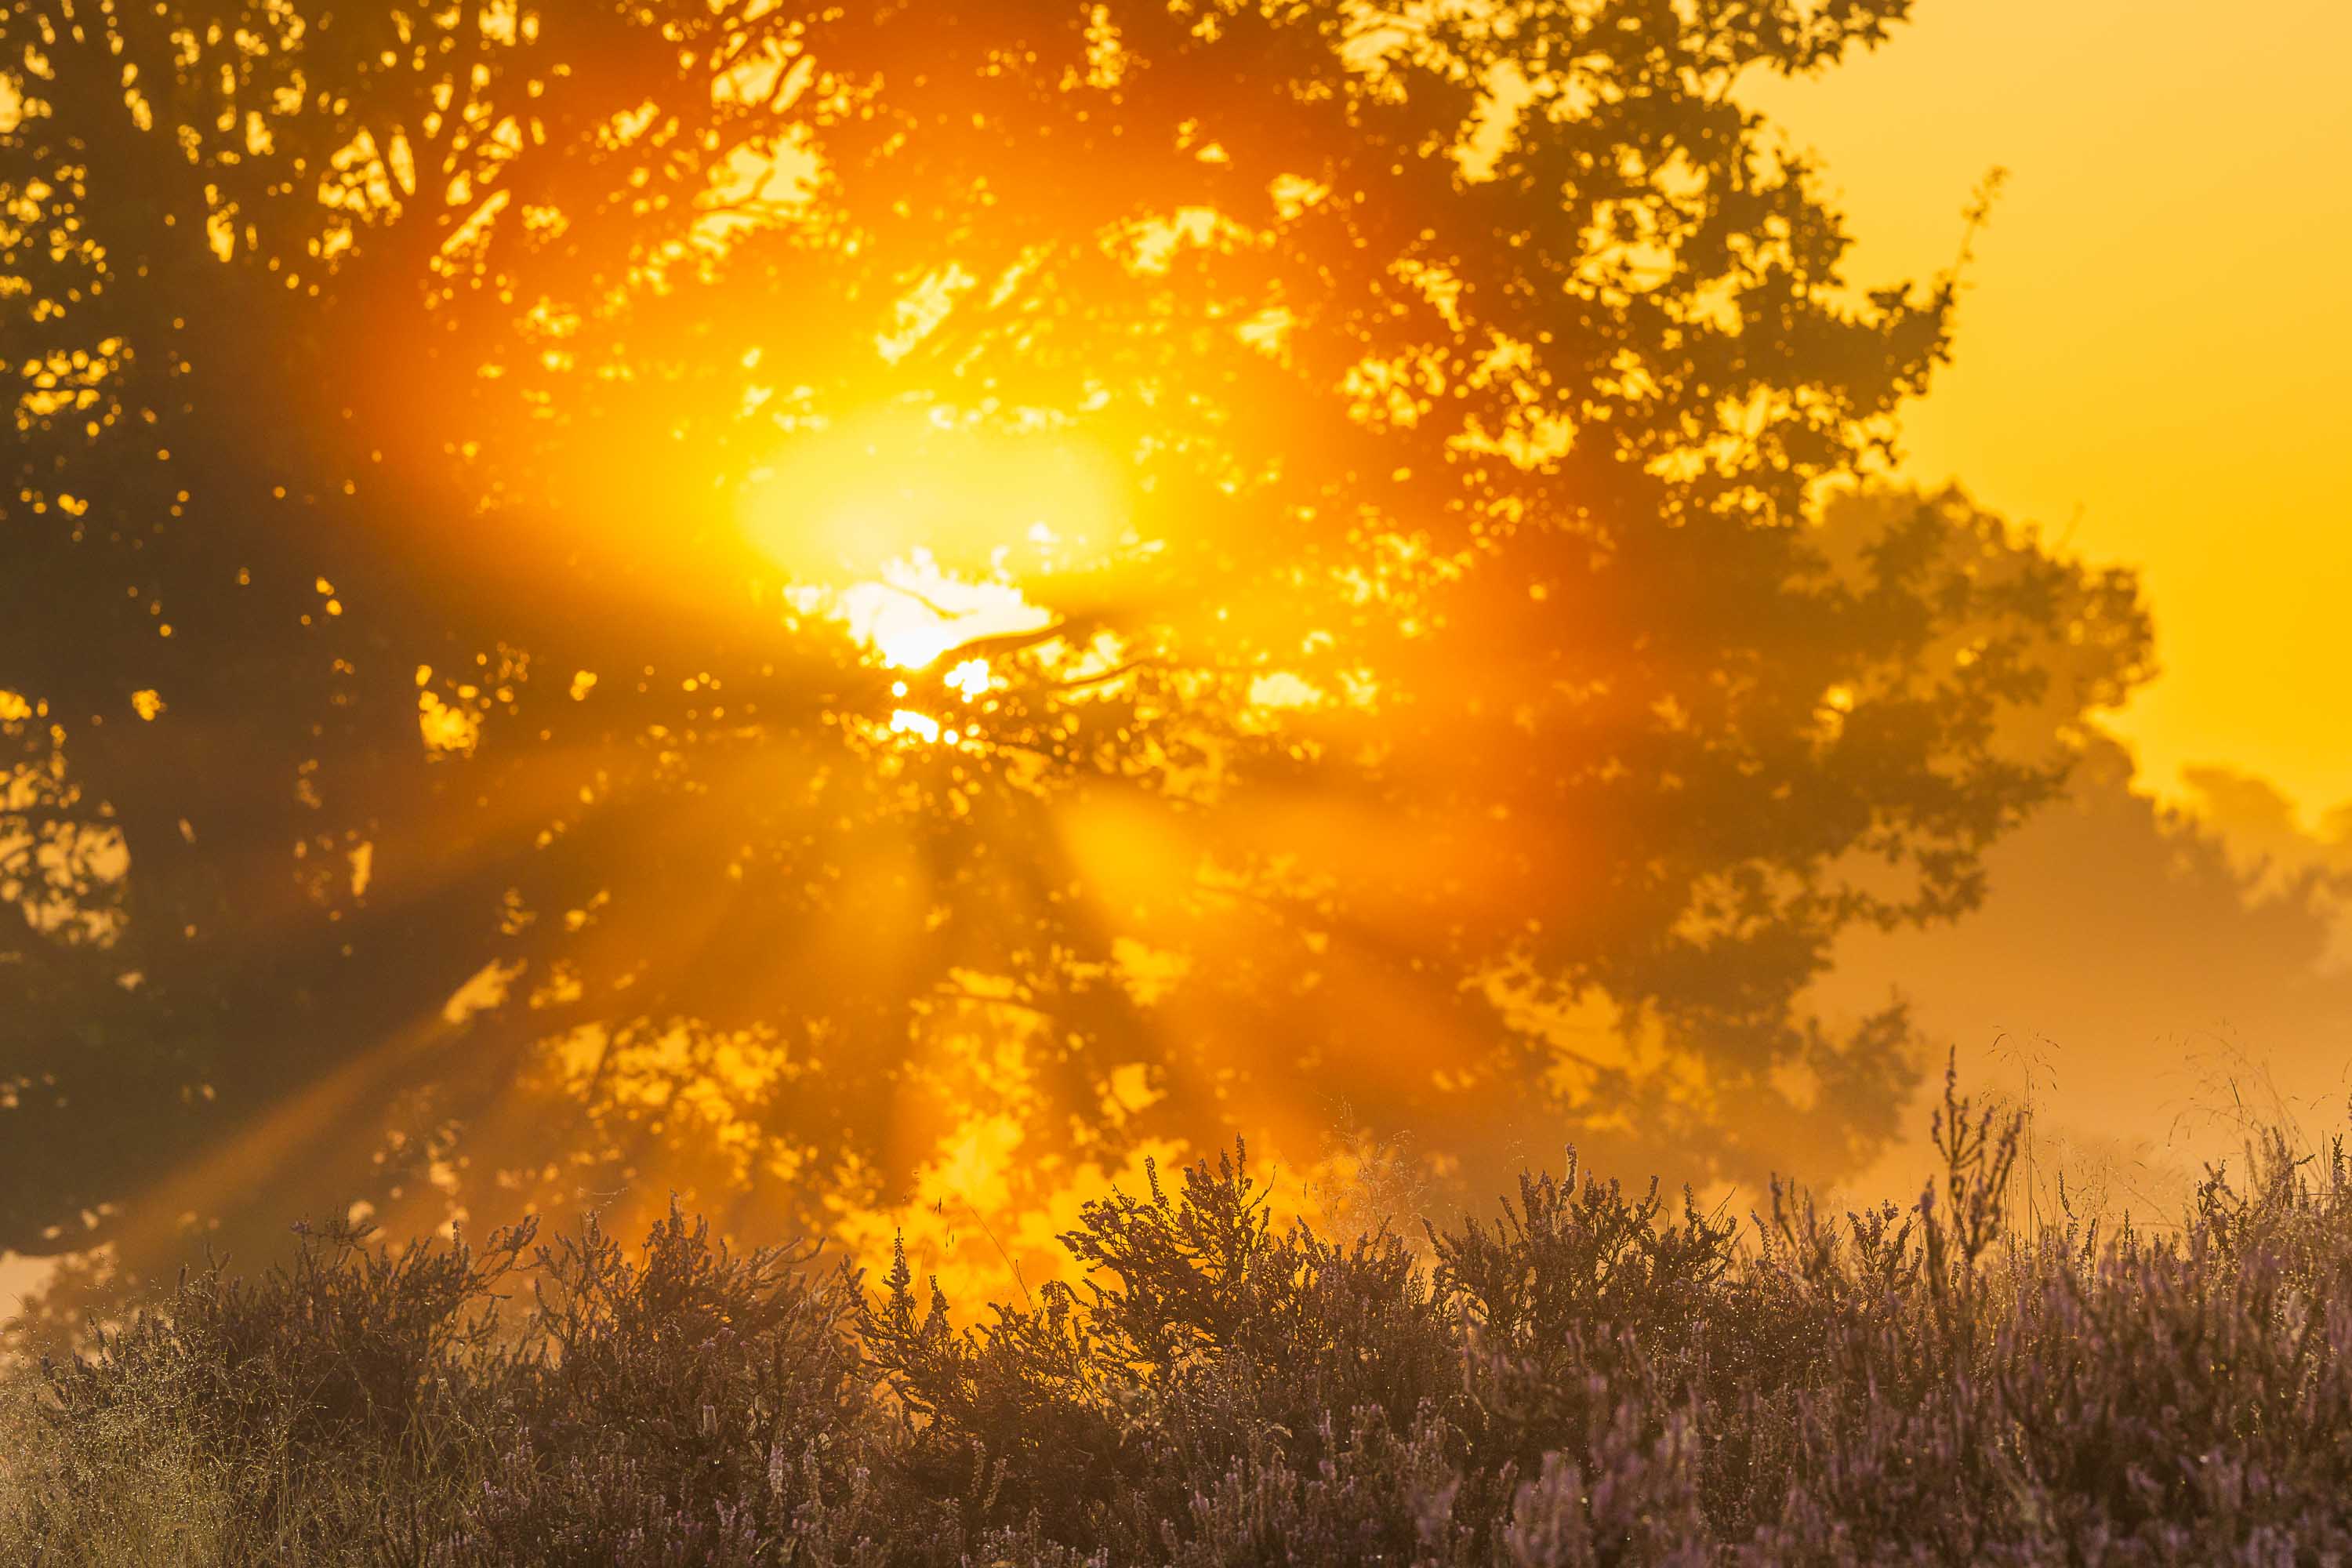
(1583, 1380)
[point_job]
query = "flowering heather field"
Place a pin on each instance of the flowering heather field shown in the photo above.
(1588, 1376)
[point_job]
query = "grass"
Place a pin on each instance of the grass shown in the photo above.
(1590, 1376)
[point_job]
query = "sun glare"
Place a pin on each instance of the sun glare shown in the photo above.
(915, 528)
(913, 611)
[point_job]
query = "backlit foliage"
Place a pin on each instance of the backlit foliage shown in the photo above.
(702, 594)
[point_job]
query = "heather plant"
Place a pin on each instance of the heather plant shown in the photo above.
(696, 1406)
(350, 1374)
(1588, 1377)
(125, 1483)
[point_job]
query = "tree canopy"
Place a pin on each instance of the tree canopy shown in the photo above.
(694, 591)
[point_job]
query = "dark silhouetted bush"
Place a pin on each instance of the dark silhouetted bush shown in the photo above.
(1585, 1379)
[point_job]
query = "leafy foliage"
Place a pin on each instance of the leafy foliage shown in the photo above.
(435, 776)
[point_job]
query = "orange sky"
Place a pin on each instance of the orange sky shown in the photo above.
(2154, 357)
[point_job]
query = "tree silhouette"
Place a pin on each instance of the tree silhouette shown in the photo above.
(2176, 974)
(429, 787)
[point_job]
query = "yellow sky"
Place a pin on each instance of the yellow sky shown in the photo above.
(2154, 356)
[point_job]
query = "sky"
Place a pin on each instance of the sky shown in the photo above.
(2153, 355)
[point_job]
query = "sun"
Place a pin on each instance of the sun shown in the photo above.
(915, 611)
(916, 529)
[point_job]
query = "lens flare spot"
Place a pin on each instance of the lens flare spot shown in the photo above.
(446, 728)
(968, 679)
(907, 721)
(1283, 689)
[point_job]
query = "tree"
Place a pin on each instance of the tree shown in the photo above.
(454, 446)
